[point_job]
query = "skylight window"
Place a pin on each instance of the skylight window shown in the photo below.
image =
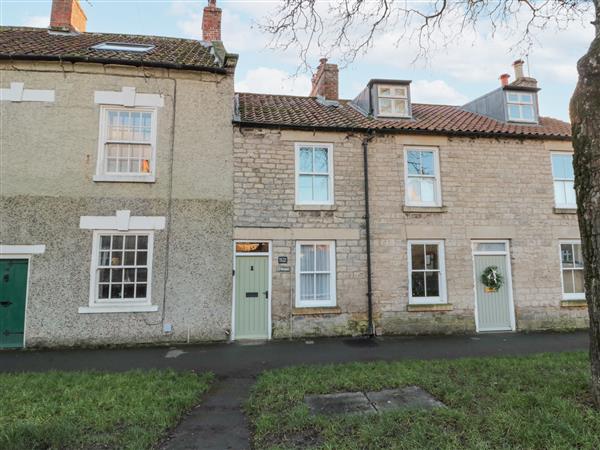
(123, 47)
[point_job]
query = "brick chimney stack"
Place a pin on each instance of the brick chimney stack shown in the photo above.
(504, 79)
(67, 15)
(211, 22)
(520, 78)
(325, 81)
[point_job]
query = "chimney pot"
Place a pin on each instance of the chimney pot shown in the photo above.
(504, 79)
(211, 22)
(67, 15)
(518, 66)
(325, 80)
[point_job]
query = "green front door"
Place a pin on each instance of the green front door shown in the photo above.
(13, 289)
(494, 309)
(252, 297)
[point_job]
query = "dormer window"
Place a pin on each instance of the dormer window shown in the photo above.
(392, 100)
(520, 106)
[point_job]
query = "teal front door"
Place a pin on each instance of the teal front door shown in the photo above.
(13, 291)
(252, 297)
(494, 306)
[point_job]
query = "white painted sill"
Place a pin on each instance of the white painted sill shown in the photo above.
(564, 210)
(315, 207)
(125, 178)
(117, 309)
(424, 209)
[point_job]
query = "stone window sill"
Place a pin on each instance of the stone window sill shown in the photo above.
(315, 207)
(117, 309)
(435, 307)
(316, 311)
(573, 304)
(124, 178)
(424, 209)
(565, 210)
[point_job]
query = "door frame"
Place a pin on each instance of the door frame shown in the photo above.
(506, 254)
(241, 255)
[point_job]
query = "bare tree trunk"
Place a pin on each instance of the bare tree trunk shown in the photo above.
(585, 118)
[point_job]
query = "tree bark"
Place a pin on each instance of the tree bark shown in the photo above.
(585, 119)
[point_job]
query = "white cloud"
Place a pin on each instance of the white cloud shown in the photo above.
(266, 80)
(436, 91)
(37, 21)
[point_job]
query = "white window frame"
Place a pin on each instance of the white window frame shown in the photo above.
(101, 174)
(570, 296)
(392, 97)
(332, 302)
(437, 176)
(329, 148)
(520, 104)
(443, 297)
(561, 180)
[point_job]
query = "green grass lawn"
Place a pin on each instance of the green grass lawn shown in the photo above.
(93, 410)
(534, 402)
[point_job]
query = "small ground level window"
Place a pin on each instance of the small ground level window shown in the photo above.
(315, 274)
(122, 268)
(571, 263)
(427, 282)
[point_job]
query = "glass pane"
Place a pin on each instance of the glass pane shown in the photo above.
(111, 165)
(427, 163)
(104, 275)
(514, 112)
(490, 247)
(400, 107)
(307, 286)
(307, 258)
(568, 282)
(513, 97)
(305, 188)
(526, 98)
(566, 251)
(116, 291)
(418, 257)
(104, 259)
(322, 286)
(428, 190)
(385, 91)
(577, 256)
(129, 275)
(433, 284)
(527, 112)
(130, 242)
(116, 258)
(112, 150)
(129, 258)
(142, 258)
(321, 161)
(418, 284)
(140, 291)
(431, 257)
(123, 166)
(322, 258)
(321, 188)
(117, 242)
(306, 160)
(399, 91)
(413, 160)
(562, 167)
(104, 242)
(103, 290)
(117, 275)
(142, 275)
(252, 247)
(570, 196)
(559, 193)
(385, 106)
(142, 242)
(414, 190)
(578, 279)
(128, 291)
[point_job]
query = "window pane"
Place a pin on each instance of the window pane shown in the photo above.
(399, 91)
(104, 259)
(413, 160)
(104, 242)
(305, 188)
(385, 91)
(578, 278)
(427, 190)
(431, 257)
(577, 256)
(527, 112)
(514, 112)
(322, 286)
(570, 196)
(418, 284)
(130, 242)
(385, 106)
(117, 242)
(321, 188)
(129, 258)
(322, 258)
(568, 282)
(142, 242)
(252, 247)
(116, 291)
(104, 275)
(111, 165)
(116, 258)
(129, 275)
(400, 107)
(566, 251)
(103, 291)
(526, 98)
(142, 258)
(427, 163)
(491, 247)
(321, 162)
(559, 193)
(307, 286)
(418, 256)
(413, 190)
(128, 291)
(306, 160)
(116, 275)
(562, 167)
(433, 284)
(142, 275)
(307, 258)
(512, 97)
(140, 291)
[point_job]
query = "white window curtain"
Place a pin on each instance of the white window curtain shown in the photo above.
(316, 276)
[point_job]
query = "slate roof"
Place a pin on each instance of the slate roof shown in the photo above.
(309, 113)
(40, 44)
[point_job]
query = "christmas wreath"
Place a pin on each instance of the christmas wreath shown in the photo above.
(492, 279)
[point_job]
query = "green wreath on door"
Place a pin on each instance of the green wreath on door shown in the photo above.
(492, 279)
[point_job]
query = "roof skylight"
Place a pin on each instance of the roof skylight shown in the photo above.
(123, 47)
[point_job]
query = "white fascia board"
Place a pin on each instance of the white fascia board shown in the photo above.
(122, 221)
(128, 97)
(18, 93)
(22, 249)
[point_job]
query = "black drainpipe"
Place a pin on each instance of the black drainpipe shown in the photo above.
(365, 145)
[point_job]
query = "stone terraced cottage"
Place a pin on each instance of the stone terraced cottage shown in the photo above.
(142, 200)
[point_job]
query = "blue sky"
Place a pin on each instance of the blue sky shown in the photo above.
(463, 71)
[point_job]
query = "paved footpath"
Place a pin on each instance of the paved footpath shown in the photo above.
(218, 422)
